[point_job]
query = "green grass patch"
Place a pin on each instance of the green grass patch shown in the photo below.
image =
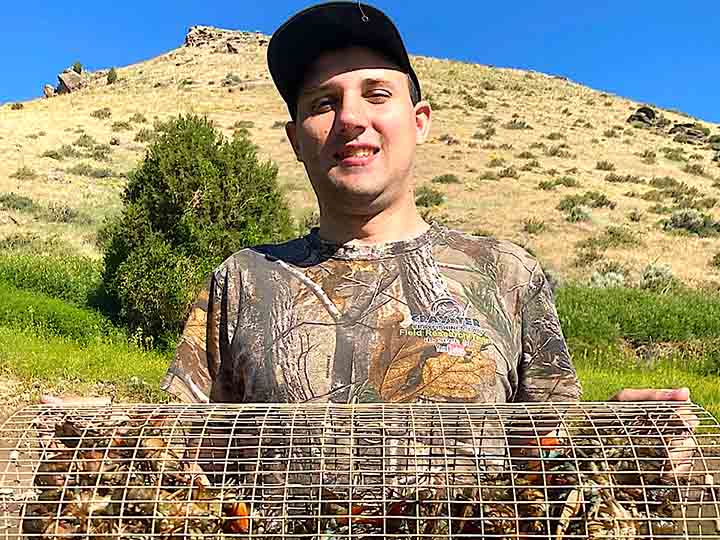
(46, 316)
(595, 319)
(134, 373)
(71, 278)
(603, 375)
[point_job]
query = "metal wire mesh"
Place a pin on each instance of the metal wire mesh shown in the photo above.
(561, 471)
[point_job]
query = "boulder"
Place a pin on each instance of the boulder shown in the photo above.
(48, 90)
(687, 133)
(644, 115)
(69, 82)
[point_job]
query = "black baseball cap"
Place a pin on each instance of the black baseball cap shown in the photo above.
(327, 27)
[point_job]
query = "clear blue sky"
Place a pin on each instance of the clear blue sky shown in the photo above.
(660, 52)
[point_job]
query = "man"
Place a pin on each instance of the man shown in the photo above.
(375, 305)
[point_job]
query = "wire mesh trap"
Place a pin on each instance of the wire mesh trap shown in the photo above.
(521, 471)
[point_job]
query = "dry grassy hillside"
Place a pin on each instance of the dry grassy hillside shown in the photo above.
(501, 132)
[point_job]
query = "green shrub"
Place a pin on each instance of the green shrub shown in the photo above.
(555, 136)
(692, 221)
(85, 141)
(52, 154)
(674, 154)
(496, 162)
(508, 172)
(112, 76)
(516, 124)
(533, 226)
(24, 173)
(593, 199)
(77, 67)
(695, 169)
(612, 237)
(626, 178)
(13, 201)
(658, 278)
(144, 135)
(101, 114)
(138, 118)
(715, 261)
(557, 151)
(17, 107)
(649, 157)
(447, 178)
(426, 196)
(547, 185)
(101, 152)
(195, 199)
(577, 214)
(475, 103)
(121, 126)
(604, 166)
(84, 169)
(243, 124)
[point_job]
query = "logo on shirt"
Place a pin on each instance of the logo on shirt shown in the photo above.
(447, 328)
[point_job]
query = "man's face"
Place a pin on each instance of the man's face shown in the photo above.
(356, 130)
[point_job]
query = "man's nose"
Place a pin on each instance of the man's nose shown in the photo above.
(351, 116)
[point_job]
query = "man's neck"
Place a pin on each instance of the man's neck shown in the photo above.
(390, 225)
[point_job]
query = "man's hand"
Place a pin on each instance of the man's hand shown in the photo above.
(681, 448)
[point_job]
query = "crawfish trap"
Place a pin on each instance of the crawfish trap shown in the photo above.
(324, 471)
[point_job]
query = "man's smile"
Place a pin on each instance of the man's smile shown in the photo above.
(356, 155)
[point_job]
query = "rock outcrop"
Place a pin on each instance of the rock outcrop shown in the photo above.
(222, 41)
(48, 90)
(681, 132)
(69, 81)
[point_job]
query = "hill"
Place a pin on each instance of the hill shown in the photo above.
(508, 147)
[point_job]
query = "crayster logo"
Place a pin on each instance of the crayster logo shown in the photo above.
(447, 328)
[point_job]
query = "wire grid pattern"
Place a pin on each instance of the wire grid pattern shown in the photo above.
(551, 470)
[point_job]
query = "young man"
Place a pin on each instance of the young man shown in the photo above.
(375, 305)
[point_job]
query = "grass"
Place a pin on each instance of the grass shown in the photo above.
(58, 361)
(24, 173)
(51, 317)
(74, 279)
(602, 375)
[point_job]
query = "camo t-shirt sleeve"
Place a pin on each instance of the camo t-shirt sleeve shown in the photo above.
(197, 356)
(545, 370)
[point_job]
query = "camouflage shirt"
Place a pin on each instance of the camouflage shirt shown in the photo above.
(444, 317)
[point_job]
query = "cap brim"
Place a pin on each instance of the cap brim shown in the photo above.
(325, 27)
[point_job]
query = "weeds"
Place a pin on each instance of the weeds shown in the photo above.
(101, 114)
(605, 166)
(612, 237)
(446, 179)
(508, 172)
(427, 197)
(593, 199)
(85, 169)
(121, 126)
(516, 124)
(533, 226)
(24, 173)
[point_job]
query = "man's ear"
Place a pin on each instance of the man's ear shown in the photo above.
(291, 132)
(423, 120)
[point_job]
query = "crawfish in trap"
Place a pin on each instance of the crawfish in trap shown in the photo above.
(262, 472)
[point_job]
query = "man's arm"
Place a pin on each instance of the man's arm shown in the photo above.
(545, 370)
(191, 375)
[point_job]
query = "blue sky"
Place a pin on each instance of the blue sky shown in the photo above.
(661, 52)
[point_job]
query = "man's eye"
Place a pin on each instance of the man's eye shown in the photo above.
(322, 105)
(378, 96)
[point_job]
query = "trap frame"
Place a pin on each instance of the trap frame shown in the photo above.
(521, 471)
